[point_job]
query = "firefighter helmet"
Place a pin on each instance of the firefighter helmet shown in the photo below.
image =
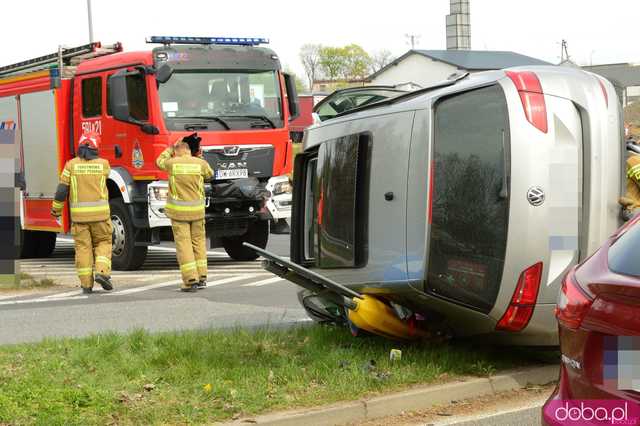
(88, 146)
(91, 140)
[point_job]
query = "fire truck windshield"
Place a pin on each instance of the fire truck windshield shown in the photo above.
(240, 99)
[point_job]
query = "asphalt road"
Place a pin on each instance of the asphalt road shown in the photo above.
(240, 294)
(525, 416)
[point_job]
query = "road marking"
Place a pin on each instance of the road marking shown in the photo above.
(9, 297)
(263, 282)
(159, 248)
(177, 282)
(65, 294)
(144, 288)
(229, 280)
(42, 299)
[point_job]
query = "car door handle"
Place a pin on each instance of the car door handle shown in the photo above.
(118, 151)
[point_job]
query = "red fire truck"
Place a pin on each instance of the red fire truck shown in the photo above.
(230, 90)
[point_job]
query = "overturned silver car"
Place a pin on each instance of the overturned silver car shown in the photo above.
(459, 206)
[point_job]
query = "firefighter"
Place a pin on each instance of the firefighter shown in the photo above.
(83, 181)
(185, 207)
(631, 201)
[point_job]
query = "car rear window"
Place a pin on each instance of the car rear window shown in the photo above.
(624, 253)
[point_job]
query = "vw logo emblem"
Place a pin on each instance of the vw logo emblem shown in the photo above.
(231, 151)
(535, 196)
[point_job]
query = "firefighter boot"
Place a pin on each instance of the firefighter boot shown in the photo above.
(104, 281)
(84, 254)
(184, 253)
(102, 239)
(190, 287)
(199, 243)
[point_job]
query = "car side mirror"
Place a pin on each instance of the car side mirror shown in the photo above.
(164, 73)
(292, 96)
(118, 96)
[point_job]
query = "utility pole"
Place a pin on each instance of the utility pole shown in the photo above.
(412, 40)
(90, 21)
(564, 52)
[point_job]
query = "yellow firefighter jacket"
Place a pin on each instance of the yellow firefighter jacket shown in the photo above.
(88, 195)
(633, 181)
(186, 185)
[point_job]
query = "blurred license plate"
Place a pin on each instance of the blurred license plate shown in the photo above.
(232, 174)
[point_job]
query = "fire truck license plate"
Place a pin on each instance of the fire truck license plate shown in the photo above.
(232, 174)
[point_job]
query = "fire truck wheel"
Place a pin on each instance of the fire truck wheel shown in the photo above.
(37, 244)
(46, 243)
(257, 234)
(126, 256)
(28, 245)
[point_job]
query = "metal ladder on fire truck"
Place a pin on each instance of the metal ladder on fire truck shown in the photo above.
(65, 59)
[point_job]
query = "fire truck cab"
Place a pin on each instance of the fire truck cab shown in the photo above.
(230, 91)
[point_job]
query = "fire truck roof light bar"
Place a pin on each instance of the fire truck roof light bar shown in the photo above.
(242, 41)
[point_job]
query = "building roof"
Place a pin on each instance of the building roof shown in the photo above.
(622, 75)
(471, 60)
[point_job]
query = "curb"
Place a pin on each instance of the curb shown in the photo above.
(411, 400)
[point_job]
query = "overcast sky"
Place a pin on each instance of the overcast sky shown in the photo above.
(597, 31)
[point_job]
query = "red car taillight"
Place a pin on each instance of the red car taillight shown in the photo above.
(523, 302)
(532, 97)
(573, 303)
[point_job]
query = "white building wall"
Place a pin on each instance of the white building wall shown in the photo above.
(415, 68)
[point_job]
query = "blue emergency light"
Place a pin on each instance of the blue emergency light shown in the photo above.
(242, 41)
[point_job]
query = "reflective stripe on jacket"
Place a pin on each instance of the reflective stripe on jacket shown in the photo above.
(88, 194)
(186, 185)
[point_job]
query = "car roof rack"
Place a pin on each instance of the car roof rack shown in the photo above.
(64, 56)
(390, 101)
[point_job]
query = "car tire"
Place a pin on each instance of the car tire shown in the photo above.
(257, 234)
(126, 256)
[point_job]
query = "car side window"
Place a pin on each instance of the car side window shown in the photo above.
(92, 97)
(623, 253)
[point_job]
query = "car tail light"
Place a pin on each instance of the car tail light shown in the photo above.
(604, 92)
(573, 303)
(523, 302)
(532, 98)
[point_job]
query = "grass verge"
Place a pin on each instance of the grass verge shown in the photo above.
(206, 376)
(24, 281)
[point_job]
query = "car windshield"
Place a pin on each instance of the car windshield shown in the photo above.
(238, 99)
(338, 103)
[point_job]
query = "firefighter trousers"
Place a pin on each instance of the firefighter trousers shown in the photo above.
(191, 250)
(93, 247)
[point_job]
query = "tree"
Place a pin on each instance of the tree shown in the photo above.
(380, 59)
(333, 62)
(357, 60)
(310, 57)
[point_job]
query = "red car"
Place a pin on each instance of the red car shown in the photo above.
(599, 328)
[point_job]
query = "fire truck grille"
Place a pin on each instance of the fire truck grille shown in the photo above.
(227, 160)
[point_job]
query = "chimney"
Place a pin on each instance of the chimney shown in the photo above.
(458, 26)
